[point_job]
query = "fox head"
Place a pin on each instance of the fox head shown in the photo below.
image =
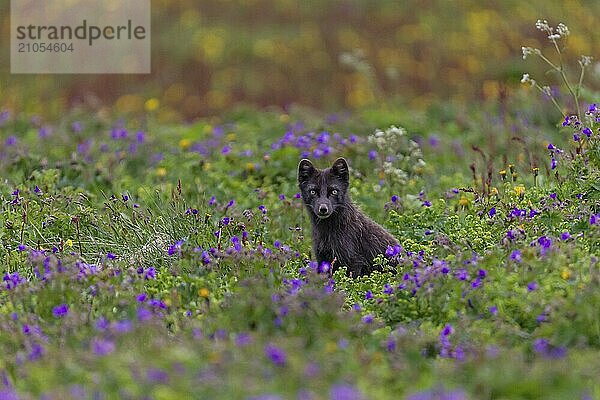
(324, 191)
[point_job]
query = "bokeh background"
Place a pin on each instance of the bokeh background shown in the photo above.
(211, 55)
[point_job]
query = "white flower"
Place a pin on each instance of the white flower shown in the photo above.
(542, 25)
(562, 30)
(584, 61)
(527, 79)
(554, 36)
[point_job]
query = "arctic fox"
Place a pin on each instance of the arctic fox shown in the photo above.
(341, 233)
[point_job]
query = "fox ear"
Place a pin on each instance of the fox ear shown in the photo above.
(305, 170)
(340, 169)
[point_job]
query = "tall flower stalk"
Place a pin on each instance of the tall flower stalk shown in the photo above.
(561, 32)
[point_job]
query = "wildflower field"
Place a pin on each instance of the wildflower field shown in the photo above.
(147, 259)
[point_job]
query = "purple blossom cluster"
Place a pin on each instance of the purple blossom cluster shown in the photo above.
(314, 144)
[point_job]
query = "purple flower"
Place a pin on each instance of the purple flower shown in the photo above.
(394, 198)
(150, 274)
(276, 355)
(546, 243)
(492, 212)
(44, 132)
(388, 289)
(156, 375)
(212, 201)
(516, 255)
(11, 140)
(143, 314)
(60, 310)
(447, 331)
(345, 392)
(12, 280)
(323, 267)
(102, 347)
(392, 251)
(438, 394)
(368, 295)
(565, 236)
(102, 324)
(461, 274)
(587, 131)
(493, 310)
(594, 219)
(531, 286)
(368, 319)
(37, 351)
(553, 163)
(157, 303)
(175, 248)
(544, 348)
(122, 326)
(243, 339)
(372, 155)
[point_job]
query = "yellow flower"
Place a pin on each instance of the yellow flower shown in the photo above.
(330, 347)
(161, 172)
(519, 190)
(250, 167)
(494, 191)
(463, 201)
(185, 143)
(167, 302)
(203, 292)
(565, 274)
(284, 118)
(69, 243)
(151, 104)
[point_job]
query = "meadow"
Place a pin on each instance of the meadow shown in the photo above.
(169, 260)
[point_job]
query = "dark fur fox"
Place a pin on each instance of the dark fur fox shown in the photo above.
(340, 231)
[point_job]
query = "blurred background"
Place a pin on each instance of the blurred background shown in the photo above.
(212, 55)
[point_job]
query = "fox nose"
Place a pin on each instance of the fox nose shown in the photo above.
(323, 209)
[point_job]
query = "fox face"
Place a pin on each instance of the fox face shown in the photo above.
(324, 191)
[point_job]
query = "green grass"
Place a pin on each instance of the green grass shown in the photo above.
(160, 306)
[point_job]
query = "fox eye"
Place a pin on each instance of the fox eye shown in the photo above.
(313, 192)
(334, 192)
